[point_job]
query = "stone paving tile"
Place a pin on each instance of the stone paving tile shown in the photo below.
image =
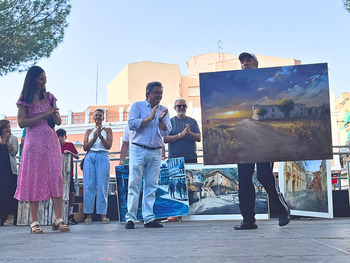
(317, 240)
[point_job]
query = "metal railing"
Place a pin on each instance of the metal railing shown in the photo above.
(78, 178)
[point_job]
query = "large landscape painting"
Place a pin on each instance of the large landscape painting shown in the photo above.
(306, 186)
(268, 114)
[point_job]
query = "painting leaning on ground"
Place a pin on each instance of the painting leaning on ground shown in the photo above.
(171, 193)
(264, 115)
(213, 190)
(305, 185)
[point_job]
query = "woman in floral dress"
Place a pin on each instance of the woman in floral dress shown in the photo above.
(40, 175)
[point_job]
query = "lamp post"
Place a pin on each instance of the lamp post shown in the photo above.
(78, 145)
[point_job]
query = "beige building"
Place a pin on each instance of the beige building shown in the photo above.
(219, 182)
(130, 84)
(294, 178)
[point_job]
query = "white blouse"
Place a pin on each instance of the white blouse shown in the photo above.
(98, 146)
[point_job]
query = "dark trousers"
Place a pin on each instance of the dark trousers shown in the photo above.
(246, 192)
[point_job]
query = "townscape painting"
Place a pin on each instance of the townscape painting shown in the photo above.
(306, 186)
(171, 195)
(268, 114)
(213, 193)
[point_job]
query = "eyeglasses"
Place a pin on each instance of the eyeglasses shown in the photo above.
(182, 106)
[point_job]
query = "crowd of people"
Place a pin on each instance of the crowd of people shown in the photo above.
(149, 128)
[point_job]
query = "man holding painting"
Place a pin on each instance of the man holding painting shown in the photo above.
(264, 175)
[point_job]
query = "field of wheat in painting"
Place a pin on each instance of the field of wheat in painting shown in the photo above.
(268, 114)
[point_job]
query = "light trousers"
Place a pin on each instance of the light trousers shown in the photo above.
(96, 180)
(143, 163)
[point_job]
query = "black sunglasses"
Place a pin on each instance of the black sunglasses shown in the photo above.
(181, 106)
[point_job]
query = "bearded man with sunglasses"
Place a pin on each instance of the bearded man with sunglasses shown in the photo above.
(184, 134)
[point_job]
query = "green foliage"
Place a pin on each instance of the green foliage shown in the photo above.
(30, 30)
(347, 4)
(286, 106)
(261, 112)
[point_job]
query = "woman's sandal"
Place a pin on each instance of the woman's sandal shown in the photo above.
(105, 220)
(59, 225)
(35, 228)
(88, 221)
(9, 221)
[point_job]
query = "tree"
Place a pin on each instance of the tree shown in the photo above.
(347, 4)
(30, 30)
(261, 112)
(286, 106)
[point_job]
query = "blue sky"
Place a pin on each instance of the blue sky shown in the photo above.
(115, 33)
(313, 165)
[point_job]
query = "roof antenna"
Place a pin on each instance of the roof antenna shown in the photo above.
(97, 84)
(220, 48)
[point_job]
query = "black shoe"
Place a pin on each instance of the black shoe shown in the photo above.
(71, 220)
(246, 226)
(284, 219)
(153, 224)
(129, 225)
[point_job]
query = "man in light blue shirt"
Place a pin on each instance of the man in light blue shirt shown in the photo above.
(148, 122)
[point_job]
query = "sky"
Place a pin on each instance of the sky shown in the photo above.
(114, 33)
(313, 165)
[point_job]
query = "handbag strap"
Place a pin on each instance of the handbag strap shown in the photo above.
(93, 142)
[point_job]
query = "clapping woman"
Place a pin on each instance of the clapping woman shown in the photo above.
(40, 175)
(97, 142)
(8, 173)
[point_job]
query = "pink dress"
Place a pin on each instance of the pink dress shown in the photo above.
(40, 174)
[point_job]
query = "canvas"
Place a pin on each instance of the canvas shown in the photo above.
(307, 188)
(171, 195)
(265, 115)
(213, 193)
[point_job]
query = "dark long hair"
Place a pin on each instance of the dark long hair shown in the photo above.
(29, 84)
(3, 124)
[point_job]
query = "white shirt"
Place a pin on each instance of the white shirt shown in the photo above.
(98, 146)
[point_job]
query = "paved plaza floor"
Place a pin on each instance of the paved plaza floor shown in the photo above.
(312, 240)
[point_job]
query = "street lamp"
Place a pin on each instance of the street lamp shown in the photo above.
(78, 145)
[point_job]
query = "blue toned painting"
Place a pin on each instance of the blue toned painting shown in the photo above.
(171, 195)
(267, 114)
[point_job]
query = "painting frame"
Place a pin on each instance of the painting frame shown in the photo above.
(205, 217)
(283, 113)
(329, 197)
(166, 205)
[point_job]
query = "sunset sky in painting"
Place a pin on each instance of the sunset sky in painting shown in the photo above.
(231, 94)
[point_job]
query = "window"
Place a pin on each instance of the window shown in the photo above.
(193, 91)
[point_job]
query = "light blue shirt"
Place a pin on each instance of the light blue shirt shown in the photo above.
(149, 135)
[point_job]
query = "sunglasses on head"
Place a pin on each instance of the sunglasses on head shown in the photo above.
(181, 106)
